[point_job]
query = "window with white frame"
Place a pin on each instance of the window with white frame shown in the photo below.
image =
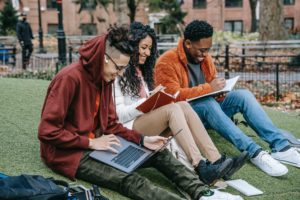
(234, 26)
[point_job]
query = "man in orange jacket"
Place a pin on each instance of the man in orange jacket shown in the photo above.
(190, 69)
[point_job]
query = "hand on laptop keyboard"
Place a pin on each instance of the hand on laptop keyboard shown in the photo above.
(105, 142)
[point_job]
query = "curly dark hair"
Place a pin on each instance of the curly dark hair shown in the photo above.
(197, 30)
(119, 37)
(130, 82)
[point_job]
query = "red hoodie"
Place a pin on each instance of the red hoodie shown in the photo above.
(68, 111)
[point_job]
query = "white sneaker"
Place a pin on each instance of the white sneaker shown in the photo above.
(291, 157)
(269, 165)
(221, 196)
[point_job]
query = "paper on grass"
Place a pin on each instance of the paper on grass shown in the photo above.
(244, 187)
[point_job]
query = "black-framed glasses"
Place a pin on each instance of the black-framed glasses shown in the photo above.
(118, 67)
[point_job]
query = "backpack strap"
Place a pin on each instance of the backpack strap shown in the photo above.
(59, 182)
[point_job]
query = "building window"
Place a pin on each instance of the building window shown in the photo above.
(52, 29)
(51, 4)
(199, 4)
(88, 5)
(288, 2)
(289, 23)
(88, 29)
(233, 3)
(233, 26)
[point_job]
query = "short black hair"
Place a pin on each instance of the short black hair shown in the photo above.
(119, 37)
(197, 30)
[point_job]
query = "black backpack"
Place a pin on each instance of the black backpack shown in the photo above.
(32, 187)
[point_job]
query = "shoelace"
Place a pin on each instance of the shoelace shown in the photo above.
(268, 160)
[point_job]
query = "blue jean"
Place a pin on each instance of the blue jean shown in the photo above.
(217, 115)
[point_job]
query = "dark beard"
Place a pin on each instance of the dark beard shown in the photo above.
(189, 56)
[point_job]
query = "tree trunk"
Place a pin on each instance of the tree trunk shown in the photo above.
(132, 5)
(253, 4)
(271, 25)
(122, 12)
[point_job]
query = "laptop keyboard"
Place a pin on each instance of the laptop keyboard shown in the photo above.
(128, 156)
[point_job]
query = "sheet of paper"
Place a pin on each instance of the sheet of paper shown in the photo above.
(244, 187)
(230, 83)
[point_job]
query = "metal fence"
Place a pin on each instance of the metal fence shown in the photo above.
(271, 70)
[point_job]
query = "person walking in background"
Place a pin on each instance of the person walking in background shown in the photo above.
(24, 34)
(132, 89)
(189, 68)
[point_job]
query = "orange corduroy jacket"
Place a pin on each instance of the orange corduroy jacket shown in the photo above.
(171, 71)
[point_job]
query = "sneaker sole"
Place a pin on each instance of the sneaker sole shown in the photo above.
(288, 163)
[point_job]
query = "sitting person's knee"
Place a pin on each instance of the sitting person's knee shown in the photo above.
(173, 108)
(242, 94)
(206, 103)
(183, 103)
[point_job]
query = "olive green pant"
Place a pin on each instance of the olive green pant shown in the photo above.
(134, 185)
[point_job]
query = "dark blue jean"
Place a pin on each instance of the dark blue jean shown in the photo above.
(217, 115)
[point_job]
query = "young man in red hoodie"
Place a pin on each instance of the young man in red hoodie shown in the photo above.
(79, 116)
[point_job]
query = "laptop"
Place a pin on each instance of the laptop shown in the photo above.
(129, 157)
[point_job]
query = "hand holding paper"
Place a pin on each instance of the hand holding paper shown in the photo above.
(230, 83)
(218, 84)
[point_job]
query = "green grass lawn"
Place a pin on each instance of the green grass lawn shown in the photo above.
(20, 105)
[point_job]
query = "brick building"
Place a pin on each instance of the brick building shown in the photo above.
(229, 15)
(234, 15)
(75, 23)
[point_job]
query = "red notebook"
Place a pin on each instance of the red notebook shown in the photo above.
(157, 100)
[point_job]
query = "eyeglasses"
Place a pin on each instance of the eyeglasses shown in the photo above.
(118, 67)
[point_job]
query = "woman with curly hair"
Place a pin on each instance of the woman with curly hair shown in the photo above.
(133, 88)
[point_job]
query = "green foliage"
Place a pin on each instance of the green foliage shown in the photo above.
(155, 5)
(223, 37)
(44, 75)
(8, 19)
(175, 15)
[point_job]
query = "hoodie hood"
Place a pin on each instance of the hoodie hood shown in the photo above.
(92, 56)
